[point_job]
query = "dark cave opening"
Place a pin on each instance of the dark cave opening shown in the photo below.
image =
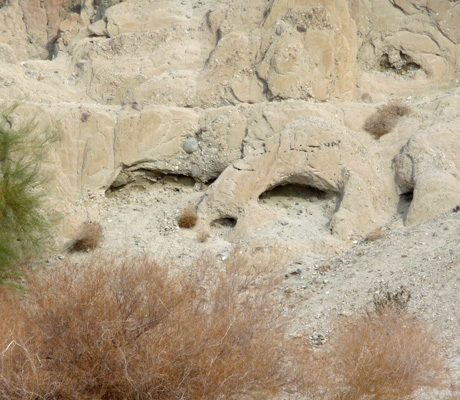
(226, 222)
(405, 200)
(294, 195)
(141, 179)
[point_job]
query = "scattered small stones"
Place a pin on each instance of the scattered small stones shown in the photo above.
(136, 106)
(85, 116)
(298, 271)
(318, 339)
(190, 145)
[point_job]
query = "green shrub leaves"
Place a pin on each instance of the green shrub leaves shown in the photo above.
(24, 227)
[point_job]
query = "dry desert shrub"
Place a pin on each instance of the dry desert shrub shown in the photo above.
(385, 355)
(203, 235)
(376, 234)
(89, 237)
(125, 329)
(386, 118)
(188, 217)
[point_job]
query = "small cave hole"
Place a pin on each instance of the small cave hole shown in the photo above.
(76, 8)
(301, 207)
(291, 195)
(384, 63)
(406, 65)
(409, 64)
(405, 200)
(142, 179)
(51, 47)
(227, 222)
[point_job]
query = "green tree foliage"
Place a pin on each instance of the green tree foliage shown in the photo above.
(24, 227)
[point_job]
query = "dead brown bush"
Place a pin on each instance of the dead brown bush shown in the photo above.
(89, 237)
(188, 217)
(376, 234)
(386, 118)
(385, 355)
(125, 329)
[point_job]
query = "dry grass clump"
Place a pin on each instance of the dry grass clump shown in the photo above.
(386, 118)
(376, 234)
(89, 238)
(124, 329)
(188, 217)
(385, 355)
(203, 235)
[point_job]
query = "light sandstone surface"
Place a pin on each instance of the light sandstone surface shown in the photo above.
(253, 111)
(127, 83)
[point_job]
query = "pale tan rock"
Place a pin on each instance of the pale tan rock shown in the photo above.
(247, 88)
(129, 17)
(310, 152)
(7, 54)
(84, 152)
(72, 27)
(233, 60)
(98, 28)
(82, 157)
(429, 167)
(424, 34)
(233, 75)
(32, 27)
(35, 21)
(291, 57)
(153, 139)
(159, 62)
(311, 51)
(14, 32)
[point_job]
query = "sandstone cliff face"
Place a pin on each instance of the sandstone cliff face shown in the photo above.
(311, 152)
(247, 85)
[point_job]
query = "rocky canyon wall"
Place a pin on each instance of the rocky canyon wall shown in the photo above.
(199, 87)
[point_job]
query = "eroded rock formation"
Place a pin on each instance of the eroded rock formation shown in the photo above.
(310, 152)
(251, 84)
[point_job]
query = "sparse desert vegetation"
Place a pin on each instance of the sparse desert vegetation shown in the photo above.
(238, 129)
(203, 235)
(126, 329)
(188, 217)
(386, 118)
(376, 234)
(89, 237)
(132, 328)
(384, 355)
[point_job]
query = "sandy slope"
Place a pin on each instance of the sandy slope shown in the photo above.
(322, 280)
